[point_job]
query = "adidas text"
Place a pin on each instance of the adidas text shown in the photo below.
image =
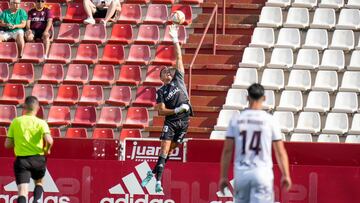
(48, 199)
(130, 199)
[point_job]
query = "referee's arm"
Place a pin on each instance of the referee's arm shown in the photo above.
(9, 141)
(49, 141)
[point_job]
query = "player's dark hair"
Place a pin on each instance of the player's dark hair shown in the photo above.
(256, 91)
(31, 102)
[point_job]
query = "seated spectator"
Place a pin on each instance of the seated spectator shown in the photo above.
(106, 9)
(39, 24)
(12, 23)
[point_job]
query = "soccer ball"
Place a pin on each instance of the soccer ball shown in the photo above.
(178, 17)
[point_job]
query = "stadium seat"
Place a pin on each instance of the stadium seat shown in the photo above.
(52, 74)
(318, 102)
(68, 33)
(103, 75)
(8, 113)
(263, 38)
(153, 76)
(326, 81)
(181, 32)
(95, 34)
(273, 79)
(290, 101)
(148, 34)
(67, 95)
(278, 3)
(299, 80)
(122, 34)
(85, 116)
(297, 18)
(113, 54)
(353, 4)
(77, 74)
(270, 17)
(145, 97)
(281, 58)
(44, 93)
(27, 6)
(217, 135)
(269, 103)
(324, 18)
(55, 10)
(156, 14)
(336, 123)
(129, 75)
(119, 96)
(130, 133)
(343, 39)
(110, 117)
(352, 139)
(4, 5)
(285, 120)
(253, 57)
(316, 39)
(13, 94)
(224, 119)
(139, 55)
(8, 52)
(307, 59)
(301, 137)
(75, 13)
(55, 132)
(354, 61)
(349, 19)
(355, 125)
(92, 95)
(165, 55)
(236, 99)
(59, 53)
(245, 77)
(186, 9)
(33, 53)
(345, 102)
(336, 4)
(59, 116)
(195, 2)
(103, 133)
(76, 133)
(22, 73)
(130, 13)
(137, 117)
(86, 54)
(332, 60)
(308, 122)
(350, 81)
(328, 138)
(304, 3)
(4, 72)
(288, 38)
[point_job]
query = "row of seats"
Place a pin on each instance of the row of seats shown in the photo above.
(128, 1)
(68, 95)
(299, 18)
(313, 3)
(78, 74)
(85, 116)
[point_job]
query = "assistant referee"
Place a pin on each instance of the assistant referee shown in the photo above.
(26, 135)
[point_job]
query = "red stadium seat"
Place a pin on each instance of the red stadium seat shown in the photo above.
(95, 34)
(119, 96)
(130, 13)
(44, 93)
(68, 33)
(52, 74)
(39, 114)
(163, 1)
(75, 13)
(76, 133)
(186, 9)
(8, 52)
(59, 53)
(59, 116)
(33, 53)
(13, 94)
(113, 54)
(85, 116)
(145, 97)
(4, 72)
(138, 1)
(139, 55)
(110, 117)
(129, 75)
(156, 14)
(86, 54)
(130, 133)
(165, 55)
(92, 95)
(103, 75)
(27, 6)
(67, 95)
(137, 117)
(77, 74)
(103, 133)
(55, 9)
(196, 2)
(182, 35)
(4, 5)
(3, 131)
(55, 132)
(8, 113)
(148, 34)
(153, 76)
(22, 73)
(122, 34)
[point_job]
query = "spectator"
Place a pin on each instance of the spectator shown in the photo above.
(39, 24)
(12, 22)
(101, 9)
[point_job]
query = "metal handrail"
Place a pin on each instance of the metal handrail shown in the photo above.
(223, 17)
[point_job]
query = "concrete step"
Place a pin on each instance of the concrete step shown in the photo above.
(212, 59)
(230, 19)
(193, 132)
(233, 8)
(199, 122)
(226, 49)
(228, 39)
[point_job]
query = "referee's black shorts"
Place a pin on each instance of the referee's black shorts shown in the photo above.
(26, 167)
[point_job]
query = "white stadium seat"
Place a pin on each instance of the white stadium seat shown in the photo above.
(307, 59)
(273, 79)
(349, 19)
(346, 102)
(288, 38)
(336, 123)
(285, 120)
(308, 122)
(299, 80)
(253, 58)
(224, 119)
(350, 81)
(332, 60)
(316, 39)
(290, 101)
(326, 81)
(353, 4)
(217, 135)
(236, 99)
(343, 39)
(263, 37)
(354, 61)
(269, 100)
(331, 4)
(278, 3)
(245, 77)
(329, 138)
(304, 3)
(352, 139)
(355, 125)
(281, 58)
(270, 17)
(297, 18)
(318, 102)
(324, 18)
(301, 137)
